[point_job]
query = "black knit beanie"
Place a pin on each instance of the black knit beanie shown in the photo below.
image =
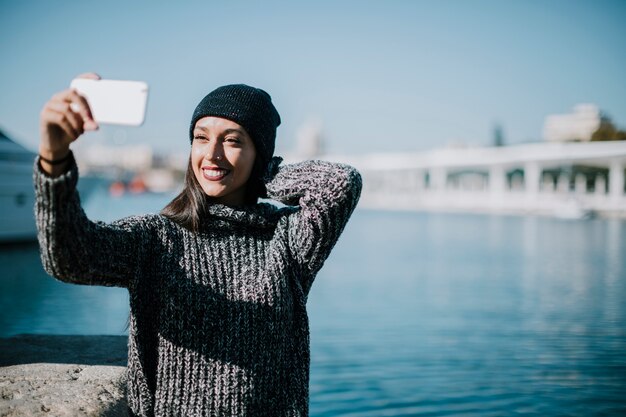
(247, 106)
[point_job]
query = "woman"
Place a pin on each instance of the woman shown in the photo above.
(218, 282)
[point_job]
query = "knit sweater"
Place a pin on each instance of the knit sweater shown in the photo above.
(218, 320)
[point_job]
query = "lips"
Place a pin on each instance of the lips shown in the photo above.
(214, 173)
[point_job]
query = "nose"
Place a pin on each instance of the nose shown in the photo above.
(214, 151)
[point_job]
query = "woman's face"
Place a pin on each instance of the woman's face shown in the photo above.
(222, 157)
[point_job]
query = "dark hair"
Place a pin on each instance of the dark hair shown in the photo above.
(190, 206)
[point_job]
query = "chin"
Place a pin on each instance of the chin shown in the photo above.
(214, 193)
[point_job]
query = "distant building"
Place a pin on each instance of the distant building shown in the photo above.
(100, 158)
(310, 141)
(577, 126)
(498, 135)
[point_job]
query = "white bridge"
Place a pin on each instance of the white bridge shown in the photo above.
(563, 179)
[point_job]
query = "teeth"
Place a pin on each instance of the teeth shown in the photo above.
(214, 173)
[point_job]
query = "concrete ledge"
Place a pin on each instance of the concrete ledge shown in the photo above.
(62, 390)
(43, 375)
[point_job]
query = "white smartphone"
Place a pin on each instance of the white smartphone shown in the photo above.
(114, 101)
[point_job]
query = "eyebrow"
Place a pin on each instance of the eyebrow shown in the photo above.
(226, 131)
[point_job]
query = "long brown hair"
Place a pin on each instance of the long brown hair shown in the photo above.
(190, 206)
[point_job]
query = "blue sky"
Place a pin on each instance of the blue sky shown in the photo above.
(381, 76)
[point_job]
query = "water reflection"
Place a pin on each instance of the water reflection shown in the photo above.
(423, 314)
(33, 302)
(475, 315)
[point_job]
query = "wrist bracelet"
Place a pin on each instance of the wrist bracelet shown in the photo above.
(56, 161)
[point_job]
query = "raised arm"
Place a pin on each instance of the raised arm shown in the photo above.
(73, 248)
(326, 193)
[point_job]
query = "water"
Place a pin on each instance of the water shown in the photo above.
(418, 314)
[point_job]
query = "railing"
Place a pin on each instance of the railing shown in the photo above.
(512, 179)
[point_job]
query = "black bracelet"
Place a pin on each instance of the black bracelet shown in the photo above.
(56, 161)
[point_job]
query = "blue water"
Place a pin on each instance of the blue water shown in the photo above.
(417, 314)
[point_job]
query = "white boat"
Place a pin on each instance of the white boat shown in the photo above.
(17, 196)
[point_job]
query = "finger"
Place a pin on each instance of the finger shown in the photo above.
(89, 75)
(79, 104)
(59, 106)
(85, 111)
(59, 119)
(67, 98)
(75, 119)
(62, 95)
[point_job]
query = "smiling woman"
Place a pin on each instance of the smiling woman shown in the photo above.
(227, 164)
(218, 283)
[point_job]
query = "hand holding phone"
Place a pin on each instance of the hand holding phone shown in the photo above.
(114, 101)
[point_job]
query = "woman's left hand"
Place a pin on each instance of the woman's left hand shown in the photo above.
(272, 169)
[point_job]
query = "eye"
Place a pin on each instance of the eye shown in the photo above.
(199, 137)
(232, 139)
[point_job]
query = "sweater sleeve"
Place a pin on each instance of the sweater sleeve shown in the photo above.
(327, 194)
(75, 249)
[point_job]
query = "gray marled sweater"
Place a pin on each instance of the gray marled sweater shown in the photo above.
(218, 321)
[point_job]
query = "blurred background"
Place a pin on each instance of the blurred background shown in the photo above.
(483, 271)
